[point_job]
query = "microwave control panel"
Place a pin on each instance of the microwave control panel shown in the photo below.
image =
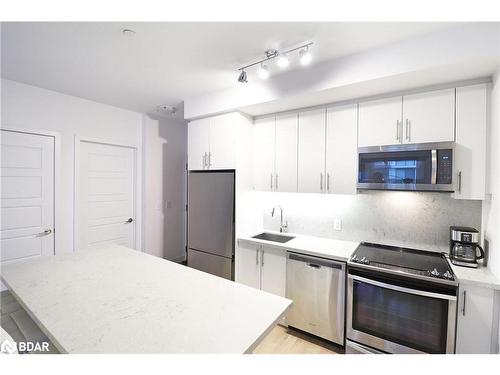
(444, 166)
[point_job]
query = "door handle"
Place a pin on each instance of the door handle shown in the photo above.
(262, 258)
(276, 180)
(271, 182)
(46, 232)
(129, 220)
(257, 257)
(328, 182)
(460, 182)
(321, 181)
(463, 306)
(312, 265)
(397, 131)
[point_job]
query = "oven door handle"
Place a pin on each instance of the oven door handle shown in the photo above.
(403, 289)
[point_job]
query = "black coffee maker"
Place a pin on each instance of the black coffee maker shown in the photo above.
(464, 244)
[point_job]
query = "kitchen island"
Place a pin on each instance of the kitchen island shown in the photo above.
(118, 300)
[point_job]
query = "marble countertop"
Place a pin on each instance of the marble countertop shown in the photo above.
(118, 300)
(480, 276)
(317, 246)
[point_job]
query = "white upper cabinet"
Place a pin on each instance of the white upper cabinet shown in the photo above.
(264, 133)
(198, 144)
(429, 117)
(286, 153)
(222, 152)
(380, 122)
(470, 145)
(341, 149)
(311, 151)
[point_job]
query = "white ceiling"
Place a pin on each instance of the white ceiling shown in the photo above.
(164, 63)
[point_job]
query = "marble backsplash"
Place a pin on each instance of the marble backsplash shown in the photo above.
(411, 219)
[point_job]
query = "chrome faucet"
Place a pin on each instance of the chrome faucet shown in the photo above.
(283, 227)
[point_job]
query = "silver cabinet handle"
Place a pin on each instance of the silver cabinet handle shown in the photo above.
(328, 182)
(204, 160)
(397, 131)
(460, 182)
(276, 180)
(463, 306)
(262, 258)
(321, 181)
(257, 257)
(209, 159)
(271, 182)
(406, 130)
(409, 130)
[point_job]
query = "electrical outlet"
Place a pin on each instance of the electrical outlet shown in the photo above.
(337, 224)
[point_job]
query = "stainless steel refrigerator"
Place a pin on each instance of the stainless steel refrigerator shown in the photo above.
(211, 222)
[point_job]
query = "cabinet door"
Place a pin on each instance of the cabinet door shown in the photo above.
(273, 271)
(198, 134)
(311, 151)
(429, 117)
(286, 153)
(475, 320)
(380, 122)
(222, 152)
(470, 145)
(263, 153)
(248, 262)
(341, 149)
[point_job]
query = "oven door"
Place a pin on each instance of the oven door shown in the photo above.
(398, 319)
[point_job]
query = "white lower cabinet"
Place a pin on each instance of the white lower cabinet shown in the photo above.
(261, 267)
(474, 320)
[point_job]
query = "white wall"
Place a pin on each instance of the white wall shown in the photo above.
(29, 107)
(165, 154)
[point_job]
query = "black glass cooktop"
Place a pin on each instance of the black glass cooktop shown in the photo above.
(403, 260)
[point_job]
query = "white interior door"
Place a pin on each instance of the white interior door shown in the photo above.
(286, 153)
(429, 116)
(341, 149)
(311, 151)
(106, 195)
(27, 195)
(263, 153)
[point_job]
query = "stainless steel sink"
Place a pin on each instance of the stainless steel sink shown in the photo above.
(273, 237)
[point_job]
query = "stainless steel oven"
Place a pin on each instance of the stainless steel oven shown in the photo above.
(396, 316)
(419, 167)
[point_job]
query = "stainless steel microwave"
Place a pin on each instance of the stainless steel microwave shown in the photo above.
(415, 167)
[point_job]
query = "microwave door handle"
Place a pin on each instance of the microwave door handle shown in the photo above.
(433, 167)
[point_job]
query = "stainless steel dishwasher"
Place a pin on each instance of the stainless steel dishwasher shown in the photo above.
(317, 288)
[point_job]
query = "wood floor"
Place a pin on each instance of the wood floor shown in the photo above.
(289, 341)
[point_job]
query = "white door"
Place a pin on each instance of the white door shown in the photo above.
(380, 122)
(311, 151)
(273, 271)
(341, 149)
(27, 195)
(248, 258)
(263, 153)
(222, 152)
(198, 144)
(106, 195)
(470, 145)
(286, 153)
(475, 320)
(429, 116)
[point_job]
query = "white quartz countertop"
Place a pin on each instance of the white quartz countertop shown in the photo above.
(480, 276)
(118, 300)
(317, 246)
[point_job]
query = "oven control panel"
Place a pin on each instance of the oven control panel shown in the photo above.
(444, 166)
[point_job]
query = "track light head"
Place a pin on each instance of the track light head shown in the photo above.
(243, 77)
(305, 56)
(263, 71)
(282, 61)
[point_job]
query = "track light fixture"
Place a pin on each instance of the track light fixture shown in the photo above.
(282, 61)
